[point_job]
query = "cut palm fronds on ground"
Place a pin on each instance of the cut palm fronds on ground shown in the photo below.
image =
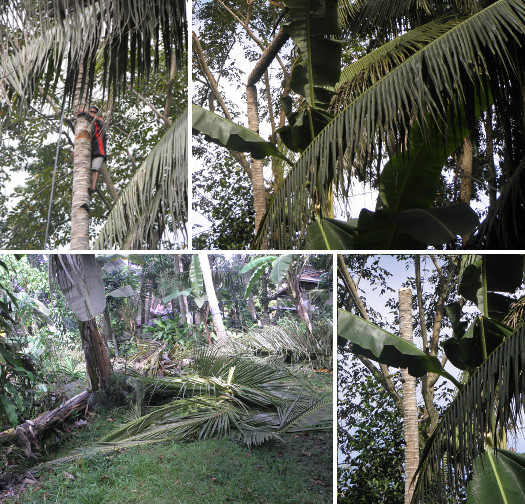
(236, 396)
(292, 341)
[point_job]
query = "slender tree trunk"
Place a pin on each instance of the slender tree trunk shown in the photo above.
(183, 300)
(251, 309)
(491, 169)
(81, 173)
(212, 299)
(142, 301)
(409, 398)
(427, 389)
(98, 364)
(465, 191)
(295, 291)
(204, 312)
(259, 192)
(250, 304)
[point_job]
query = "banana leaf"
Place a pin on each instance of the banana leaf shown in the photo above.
(413, 229)
(227, 134)
(330, 234)
(466, 351)
(381, 346)
(498, 478)
(314, 26)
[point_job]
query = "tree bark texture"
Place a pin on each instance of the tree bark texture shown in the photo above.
(212, 299)
(465, 191)
(81, 173)
(410, 412)
(295, 292)
(108, 330)
(259, 192)
(98, 365)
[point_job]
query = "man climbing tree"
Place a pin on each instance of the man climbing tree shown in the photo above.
(98, 145)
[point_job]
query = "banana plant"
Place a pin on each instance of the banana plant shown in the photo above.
(279, 264)
(407, 190)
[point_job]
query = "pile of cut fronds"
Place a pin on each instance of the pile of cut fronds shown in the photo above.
(236, 396)
(292, 341)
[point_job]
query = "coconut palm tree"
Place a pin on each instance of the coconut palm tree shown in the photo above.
(410, 410)
(68, 41)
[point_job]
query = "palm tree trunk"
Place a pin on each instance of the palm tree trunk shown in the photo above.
(259, 192)
(465, 194)
(81, 172)
(409, 398)
(183, 300)
(212, 300)
(98, 365)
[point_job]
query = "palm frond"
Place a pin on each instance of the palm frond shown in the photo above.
(43, 35)
(291, 339)
(492, 399)
(361, 75)
(437, 77)
(156, 195)
(358, 14)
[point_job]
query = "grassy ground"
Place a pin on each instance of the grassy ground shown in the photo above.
(214, 471)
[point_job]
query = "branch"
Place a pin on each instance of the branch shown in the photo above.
(169, 88)
(160, 115)
(238, 156)
(251, 34)
(267, 57)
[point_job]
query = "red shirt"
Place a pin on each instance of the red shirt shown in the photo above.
(98, 138)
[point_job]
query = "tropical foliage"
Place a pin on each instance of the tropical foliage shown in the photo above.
(418, 94)
(489, 403)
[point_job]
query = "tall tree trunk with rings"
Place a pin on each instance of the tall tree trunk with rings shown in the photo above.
(81, 171)
(410, 412)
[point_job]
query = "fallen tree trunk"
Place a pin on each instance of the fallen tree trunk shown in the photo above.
(26, 434)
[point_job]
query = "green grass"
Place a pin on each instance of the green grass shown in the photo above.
(203, 472)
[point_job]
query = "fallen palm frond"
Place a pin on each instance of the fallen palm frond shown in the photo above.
(291, 340)
(492, 400)
(235, 396)
(155, 200)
